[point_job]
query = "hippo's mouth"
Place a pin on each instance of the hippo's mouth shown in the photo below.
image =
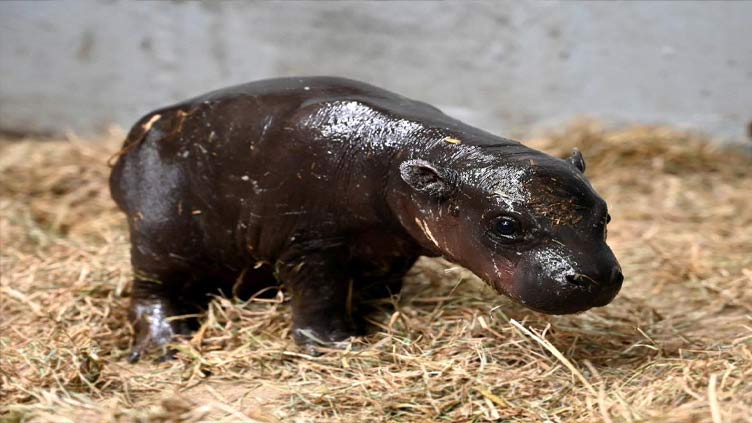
(559, 301)
(550, 297)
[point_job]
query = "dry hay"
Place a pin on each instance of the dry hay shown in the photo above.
(675, 346)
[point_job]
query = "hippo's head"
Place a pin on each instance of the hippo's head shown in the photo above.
(529, 224)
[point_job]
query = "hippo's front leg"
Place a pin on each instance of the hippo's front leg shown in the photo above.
(321, 291)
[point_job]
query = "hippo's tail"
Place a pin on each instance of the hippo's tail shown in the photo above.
(135, 136)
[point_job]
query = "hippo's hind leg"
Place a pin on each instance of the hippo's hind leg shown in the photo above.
(166, 242)
(172, 281)
(166, 296)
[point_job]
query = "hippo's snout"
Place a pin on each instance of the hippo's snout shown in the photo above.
(552, 282)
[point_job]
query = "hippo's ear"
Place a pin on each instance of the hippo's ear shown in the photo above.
(577, 160)
(434, 181)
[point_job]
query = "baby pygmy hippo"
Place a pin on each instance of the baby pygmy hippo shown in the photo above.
(334, 188)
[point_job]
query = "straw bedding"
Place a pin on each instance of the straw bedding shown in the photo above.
(675, 346)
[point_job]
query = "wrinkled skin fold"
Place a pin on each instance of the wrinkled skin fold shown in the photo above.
(333, 188)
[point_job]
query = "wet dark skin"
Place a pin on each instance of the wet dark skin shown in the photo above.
(333, 188)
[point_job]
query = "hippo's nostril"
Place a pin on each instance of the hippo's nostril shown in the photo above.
(577, 279)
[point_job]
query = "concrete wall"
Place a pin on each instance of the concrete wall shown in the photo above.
(504, 66)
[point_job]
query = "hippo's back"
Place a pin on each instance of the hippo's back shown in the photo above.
(296, 92)
(235, 162)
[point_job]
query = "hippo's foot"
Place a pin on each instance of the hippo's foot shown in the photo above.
(312, 337)
(155, 325)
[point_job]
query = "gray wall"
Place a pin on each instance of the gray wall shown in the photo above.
(505, 66)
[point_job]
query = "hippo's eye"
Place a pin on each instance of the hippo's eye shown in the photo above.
(507, 227)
